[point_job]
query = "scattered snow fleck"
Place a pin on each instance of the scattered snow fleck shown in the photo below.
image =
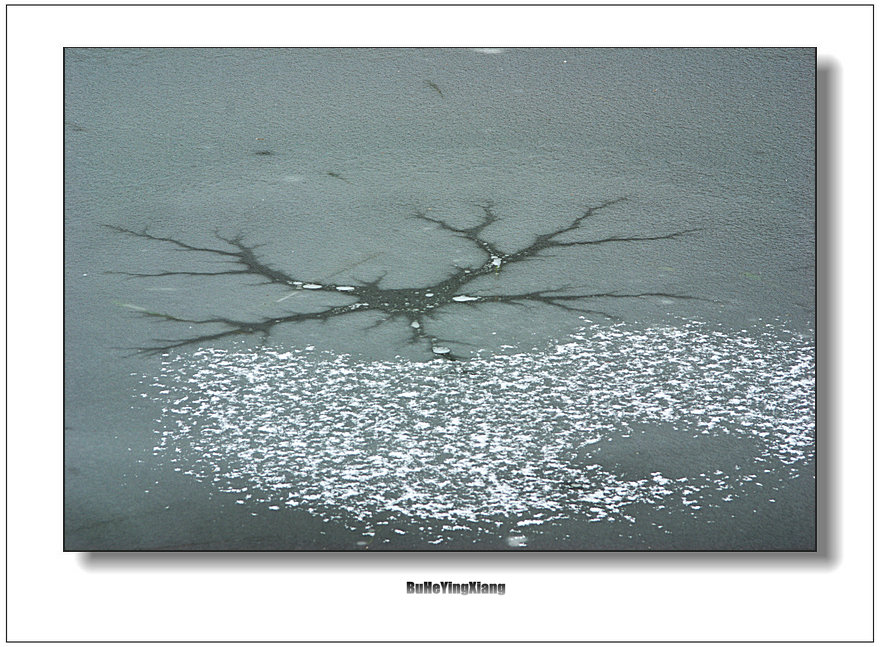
(373, 443)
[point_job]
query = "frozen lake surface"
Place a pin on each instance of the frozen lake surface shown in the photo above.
(439, 299)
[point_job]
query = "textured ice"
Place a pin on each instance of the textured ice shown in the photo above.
(498, 440)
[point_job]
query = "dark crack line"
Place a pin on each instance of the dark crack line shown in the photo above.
(414, 305)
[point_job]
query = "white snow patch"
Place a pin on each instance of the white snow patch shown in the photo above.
(516, 438)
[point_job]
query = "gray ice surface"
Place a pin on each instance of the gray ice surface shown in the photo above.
(323, 157)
